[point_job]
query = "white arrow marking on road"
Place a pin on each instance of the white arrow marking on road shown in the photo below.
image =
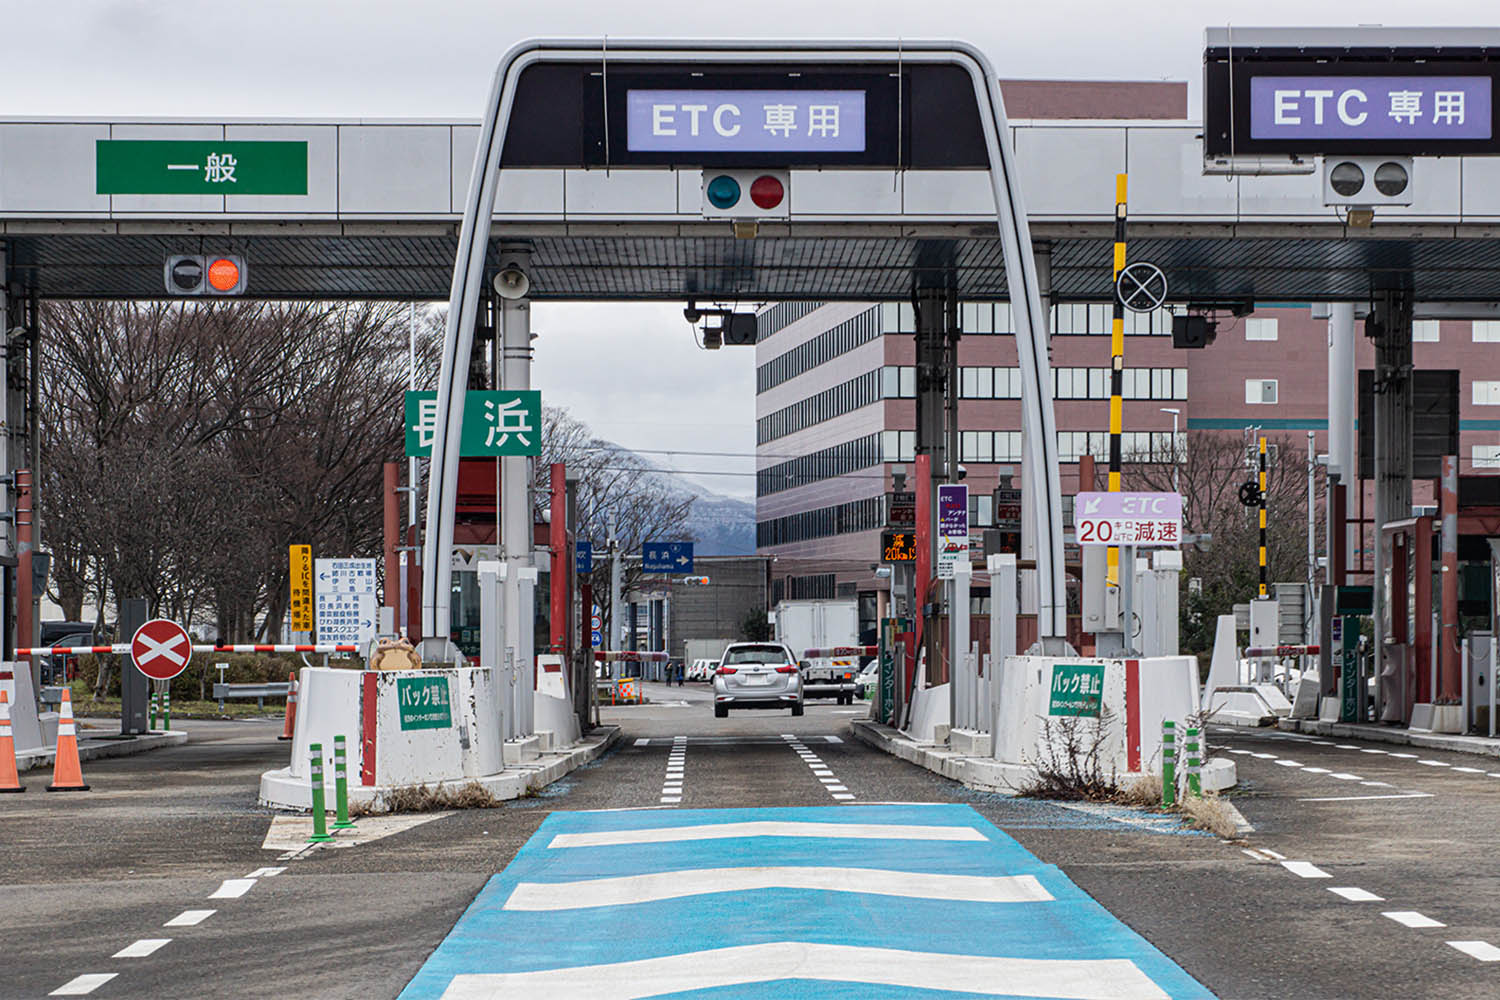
(167, 649)
(628, 889)
(1073, 979)
(766, 828)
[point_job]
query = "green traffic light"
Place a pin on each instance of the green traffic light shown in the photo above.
(723, 191)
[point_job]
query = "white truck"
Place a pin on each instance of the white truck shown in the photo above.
(804, 625)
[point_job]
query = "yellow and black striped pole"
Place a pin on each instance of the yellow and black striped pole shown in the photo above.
(1116, 366)
(1261, 482)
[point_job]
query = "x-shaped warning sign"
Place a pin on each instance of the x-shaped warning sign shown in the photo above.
(167, 649)
(161, 649)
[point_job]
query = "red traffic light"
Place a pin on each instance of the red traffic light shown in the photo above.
(767, 191)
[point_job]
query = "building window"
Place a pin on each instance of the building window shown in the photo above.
(1424, 331)
(1260, 390)
(1486, 393)
(1487, 331)
(826, 346)
(1260, 329)
(1487, 456)
(898, 446)
(898, 382)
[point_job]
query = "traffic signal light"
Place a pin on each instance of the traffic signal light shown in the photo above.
(746, 194)
(1367, 180)
(206, 274)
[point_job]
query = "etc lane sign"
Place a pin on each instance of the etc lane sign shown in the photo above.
(745, 121)
(1321, 108)
(497, 423)
(1139, 519)
(953, 527)
(195, 166)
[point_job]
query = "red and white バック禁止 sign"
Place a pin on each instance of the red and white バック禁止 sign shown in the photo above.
(1128, 518)
(161, 649)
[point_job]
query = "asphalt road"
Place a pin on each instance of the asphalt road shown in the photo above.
(84, 876)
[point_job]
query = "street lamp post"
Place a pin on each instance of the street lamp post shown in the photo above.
(1176, 485)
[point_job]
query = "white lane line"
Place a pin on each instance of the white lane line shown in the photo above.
(1264, 756)
(984, 975)
(767, 828)
(1411, 918)
(643, 741)
(1273, 854)
(1369, 798)
(671, 783)
(1405, 756)
(1288, 763)
(83, 985)
(1482, 950)
(1354, 895)
(1240, 752)
(832, 739)
(1321, 743)
(1470, 770)
(1433, 763)
(1376, 784)
(843, 796)
(629, 889)
(1345, 746)
(1316, 770)
(232, 888)
(1494, 774)
(1346, 777)
(1305, 869)
(190, 918)
(141, 948)
(265, 872)
(1374, 751)
(821, 771)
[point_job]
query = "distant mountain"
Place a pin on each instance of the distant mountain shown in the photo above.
(721, 525)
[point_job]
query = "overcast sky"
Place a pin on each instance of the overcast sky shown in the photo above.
(631, 371)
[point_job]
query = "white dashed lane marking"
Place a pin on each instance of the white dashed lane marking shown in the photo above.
(232, 888)
(1354, 895)
(1482, 950)
(821, 771)
(141, 948)
(671, 786)
(1305, 869)
(83, 985)
(1411, 918)
(190, 918)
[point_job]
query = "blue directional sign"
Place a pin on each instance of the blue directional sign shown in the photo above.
(596, 639)
(583, 555)
(667, 557)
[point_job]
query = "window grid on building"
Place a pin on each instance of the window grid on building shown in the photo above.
(826, 346)
(1260, 390)
(1486, 393)
(1068, 319)
(839, 519)
(826, 463)
(1487, 331)
(1424, 331)
(1261, 329)
(833, 402)
(1486, 456)
(780, 316)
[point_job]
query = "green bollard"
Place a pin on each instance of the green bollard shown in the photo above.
(320, 834)
(1194, 762)
(166, 708)
(155, 696)
(341, 820)
(1168, 763)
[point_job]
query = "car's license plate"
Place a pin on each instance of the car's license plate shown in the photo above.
(758, 679)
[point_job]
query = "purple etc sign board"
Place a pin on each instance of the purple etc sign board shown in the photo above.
(1370, 107)
(745, 121)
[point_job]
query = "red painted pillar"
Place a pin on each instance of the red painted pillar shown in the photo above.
(925, 559)
(558, 540)
(413, 586)
(392, 535)
(1450, 683)
(1422, 612)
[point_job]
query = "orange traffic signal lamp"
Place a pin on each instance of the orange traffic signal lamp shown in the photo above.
(206, 274)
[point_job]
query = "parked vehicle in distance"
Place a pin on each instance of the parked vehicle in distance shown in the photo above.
(822, 624)
(702, 669)
(757, 675)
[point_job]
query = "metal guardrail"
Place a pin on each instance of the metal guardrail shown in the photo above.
(260, 692)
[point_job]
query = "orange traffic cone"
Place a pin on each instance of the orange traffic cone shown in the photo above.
(67, 775)
(291, 707)
(10, 778)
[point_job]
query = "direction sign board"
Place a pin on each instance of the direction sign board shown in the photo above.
(199, 166)
(161, 649)
(300, 584)
(667, 557)
(953, 527)
(346, 600)
(1128, 519)
(583, 558)
(497, 423)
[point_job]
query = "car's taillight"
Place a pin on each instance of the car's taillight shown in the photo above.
(786, 669)
(726, 670)
(847, 676)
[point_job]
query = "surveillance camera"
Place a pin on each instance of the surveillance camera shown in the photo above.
(962, 472)
(691, 313)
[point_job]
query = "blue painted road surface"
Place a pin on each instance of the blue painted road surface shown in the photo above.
(852, 902)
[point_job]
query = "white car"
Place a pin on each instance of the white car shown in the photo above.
(757, 675)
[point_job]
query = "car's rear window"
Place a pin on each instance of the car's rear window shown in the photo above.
(756, 654)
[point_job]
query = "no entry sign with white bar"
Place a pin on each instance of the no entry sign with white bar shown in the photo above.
(1128, 518)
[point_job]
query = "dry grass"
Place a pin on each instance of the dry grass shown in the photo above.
(423, 799)
(1144, 792)
(1210, 813)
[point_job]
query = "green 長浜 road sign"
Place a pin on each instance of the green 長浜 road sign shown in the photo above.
(497, 423)
(424, 702)
(199, 166)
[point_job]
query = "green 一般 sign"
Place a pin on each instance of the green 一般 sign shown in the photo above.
(424, 702)
(199, 166)
(497, 423)
(1077, 689)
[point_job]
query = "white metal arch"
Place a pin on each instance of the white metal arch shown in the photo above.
(1038, 423)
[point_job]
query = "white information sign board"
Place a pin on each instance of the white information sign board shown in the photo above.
(1138, 519)
(345, 600)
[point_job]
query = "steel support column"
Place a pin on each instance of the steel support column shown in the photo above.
(1389, 328)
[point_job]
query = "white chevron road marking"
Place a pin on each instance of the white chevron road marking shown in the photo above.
(627, 889)
(1068, 979)
(766, 828)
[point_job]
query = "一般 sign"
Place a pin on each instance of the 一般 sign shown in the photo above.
(1128, 518)
(199, 166)
(497, 423)
(1077, 689)
(424, 702)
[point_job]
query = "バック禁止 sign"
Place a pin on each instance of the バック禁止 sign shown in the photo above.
(1077, 689)
(424, 702)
